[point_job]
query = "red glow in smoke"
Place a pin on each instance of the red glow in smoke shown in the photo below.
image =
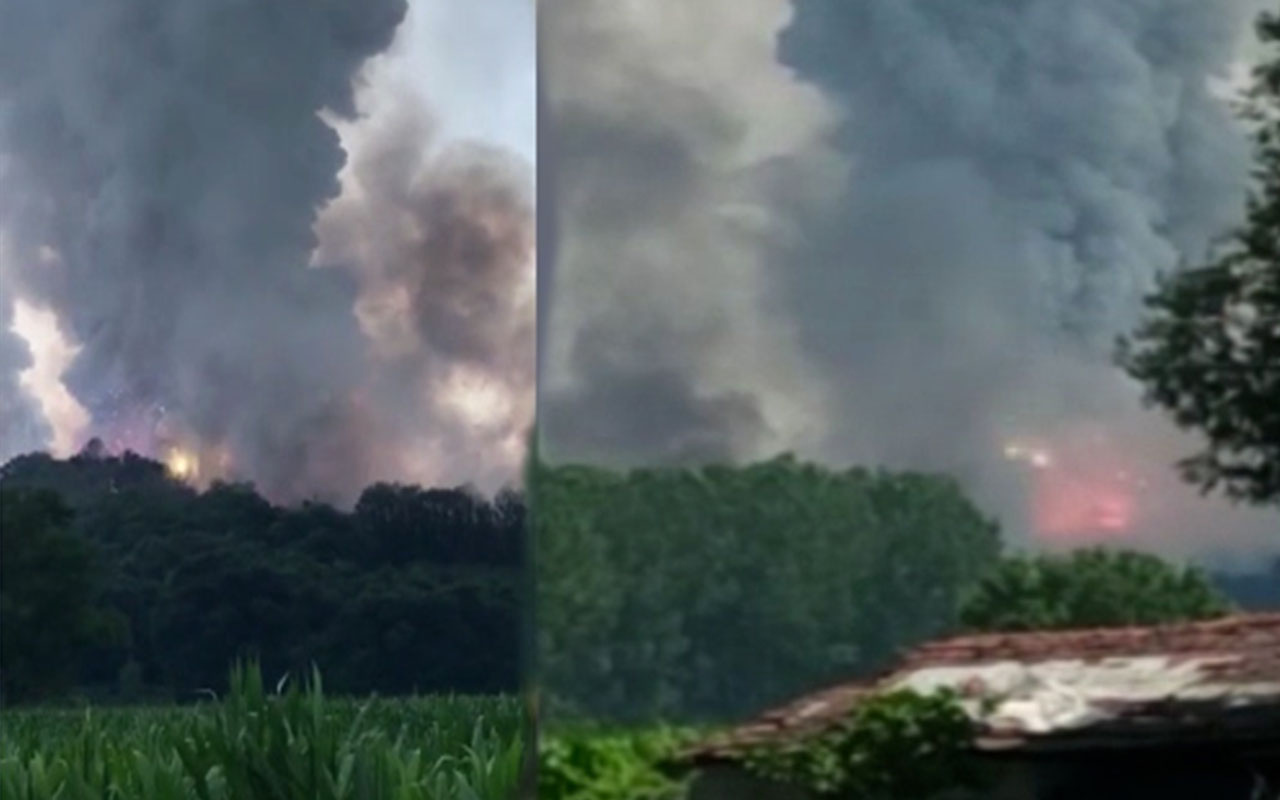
(1085, 491)
(1068, 507)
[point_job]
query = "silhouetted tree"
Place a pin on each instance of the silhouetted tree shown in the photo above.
(414, 589)
(1209, 351)
(48, 590)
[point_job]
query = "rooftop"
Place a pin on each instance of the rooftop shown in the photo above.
(1046, 691)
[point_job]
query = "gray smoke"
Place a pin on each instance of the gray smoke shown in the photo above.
(666, 155)
(1018, 171)
(172, 155)
(176, 156)
(441, 237)
(1024, 171)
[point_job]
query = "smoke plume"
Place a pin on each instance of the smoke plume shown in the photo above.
(173, 157)
(667, 155)
(441, 238)
(969, 206)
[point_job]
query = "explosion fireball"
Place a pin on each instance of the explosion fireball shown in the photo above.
(182, 464)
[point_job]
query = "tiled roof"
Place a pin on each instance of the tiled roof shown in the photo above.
(1252, 639)
(1126, 686)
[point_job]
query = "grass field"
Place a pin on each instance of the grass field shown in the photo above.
(266, 744)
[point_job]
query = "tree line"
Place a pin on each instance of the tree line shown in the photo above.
(704, 593)
(710, 593)
(119, 581)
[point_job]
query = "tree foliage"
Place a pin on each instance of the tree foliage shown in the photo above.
(895, 746)
(1089, 588)
(591, 763)
(717, 591)
(48, 594)
(413, 589)
(1209, 350)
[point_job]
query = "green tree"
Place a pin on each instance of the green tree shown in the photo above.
(1089, 588)
(1209, 351)
(47, 595)
(413, 589)
(713, 592)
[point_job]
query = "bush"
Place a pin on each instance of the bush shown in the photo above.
(896, 746)
(600, 764)
(1090, 588)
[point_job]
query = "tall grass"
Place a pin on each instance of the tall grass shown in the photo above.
(255, 744)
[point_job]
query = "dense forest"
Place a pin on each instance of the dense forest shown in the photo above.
(120, 582)
(703, 594)
(713, 592)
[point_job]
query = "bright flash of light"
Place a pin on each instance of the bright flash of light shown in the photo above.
(51, 354)
(478, 400)
(182, 464)
(1038, 457)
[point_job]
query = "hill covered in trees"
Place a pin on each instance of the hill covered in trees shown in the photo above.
(121, 581)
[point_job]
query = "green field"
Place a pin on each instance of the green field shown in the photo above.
(262, 743)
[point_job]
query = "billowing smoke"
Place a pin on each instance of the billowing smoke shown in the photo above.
(667, 155)
(1011, 175)
(1023, 171)
(441, 239)
(173, 158)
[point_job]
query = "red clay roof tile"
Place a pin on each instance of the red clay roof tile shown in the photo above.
(1233, 651)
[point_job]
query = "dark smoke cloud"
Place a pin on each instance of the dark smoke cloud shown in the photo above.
(171, 153)
(176, 156)
(658, 416)
(943, 247)
(1023, 172)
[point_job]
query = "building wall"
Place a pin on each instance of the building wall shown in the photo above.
(729, 782)
(1169, 776)
(1006, 781)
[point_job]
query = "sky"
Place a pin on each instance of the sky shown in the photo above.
(475, 64)
(889, 232)
(365, 354)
